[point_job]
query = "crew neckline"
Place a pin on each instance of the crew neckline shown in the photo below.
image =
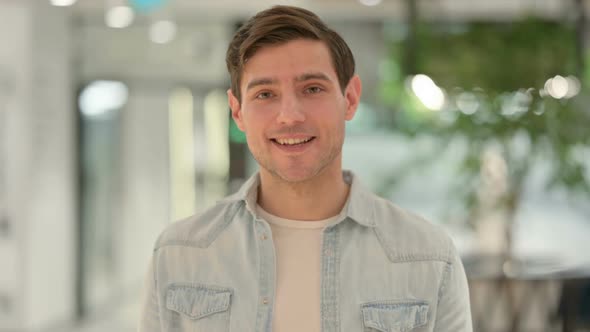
(291, 223)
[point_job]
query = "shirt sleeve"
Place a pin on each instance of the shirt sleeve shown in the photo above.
(454, 310)
(149, 315)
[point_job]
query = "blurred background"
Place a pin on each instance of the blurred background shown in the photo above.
(114, 123)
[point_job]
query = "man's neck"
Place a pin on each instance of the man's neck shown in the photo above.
(319, 198)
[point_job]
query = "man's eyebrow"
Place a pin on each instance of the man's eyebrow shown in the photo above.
(303, 77)
(313, 76)
(260, 81)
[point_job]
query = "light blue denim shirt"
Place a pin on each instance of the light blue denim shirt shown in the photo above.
(383, 269)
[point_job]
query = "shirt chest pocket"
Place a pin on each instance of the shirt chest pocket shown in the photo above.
(394, 316)
(194, 307)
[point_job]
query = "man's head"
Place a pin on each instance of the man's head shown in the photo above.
(293, 89)
(278, 25)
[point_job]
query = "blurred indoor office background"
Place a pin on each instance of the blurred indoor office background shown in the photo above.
(114, 123)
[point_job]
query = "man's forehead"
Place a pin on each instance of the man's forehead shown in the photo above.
(313, 54)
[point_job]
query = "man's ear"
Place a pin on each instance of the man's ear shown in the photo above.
(353, 96)
(236, 109)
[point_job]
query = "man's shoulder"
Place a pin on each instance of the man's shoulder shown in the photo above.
(200, 229)
(407, 236)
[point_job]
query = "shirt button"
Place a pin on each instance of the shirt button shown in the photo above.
(263, 236)
(265, 300)
(328, 253)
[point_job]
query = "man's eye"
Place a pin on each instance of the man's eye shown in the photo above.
(264, 95)
(313, 89)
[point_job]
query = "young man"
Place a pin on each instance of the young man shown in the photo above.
(302, 246)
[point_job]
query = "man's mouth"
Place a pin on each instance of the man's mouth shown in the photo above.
(292, 141)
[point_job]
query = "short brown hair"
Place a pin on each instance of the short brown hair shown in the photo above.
(278, 25)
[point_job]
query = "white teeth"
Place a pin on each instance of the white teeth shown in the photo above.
(292, 141)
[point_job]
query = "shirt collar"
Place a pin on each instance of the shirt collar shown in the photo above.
(359, 205)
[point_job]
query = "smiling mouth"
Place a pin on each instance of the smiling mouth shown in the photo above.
(292, 141)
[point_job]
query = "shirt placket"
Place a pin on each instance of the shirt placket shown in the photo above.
(330, 283)
(266, 277)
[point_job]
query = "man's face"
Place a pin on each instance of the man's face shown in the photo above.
(293, 110)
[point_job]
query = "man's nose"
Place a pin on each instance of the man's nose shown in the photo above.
(291, 110)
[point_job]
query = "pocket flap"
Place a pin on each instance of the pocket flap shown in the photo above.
(197, 301)
(394, 316)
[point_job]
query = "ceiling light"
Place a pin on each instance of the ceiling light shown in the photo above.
(119, 17)
(102, 97)
(370, 3)
(62, 3)
(162, 32)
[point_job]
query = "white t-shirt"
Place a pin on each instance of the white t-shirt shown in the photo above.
(298, 251)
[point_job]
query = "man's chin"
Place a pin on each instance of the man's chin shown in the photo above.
(295, 176)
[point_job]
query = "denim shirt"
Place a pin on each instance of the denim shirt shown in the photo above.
(382, 269)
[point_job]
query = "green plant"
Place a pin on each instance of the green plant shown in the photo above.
(495, 78)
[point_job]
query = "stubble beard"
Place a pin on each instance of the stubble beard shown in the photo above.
(316, 169)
